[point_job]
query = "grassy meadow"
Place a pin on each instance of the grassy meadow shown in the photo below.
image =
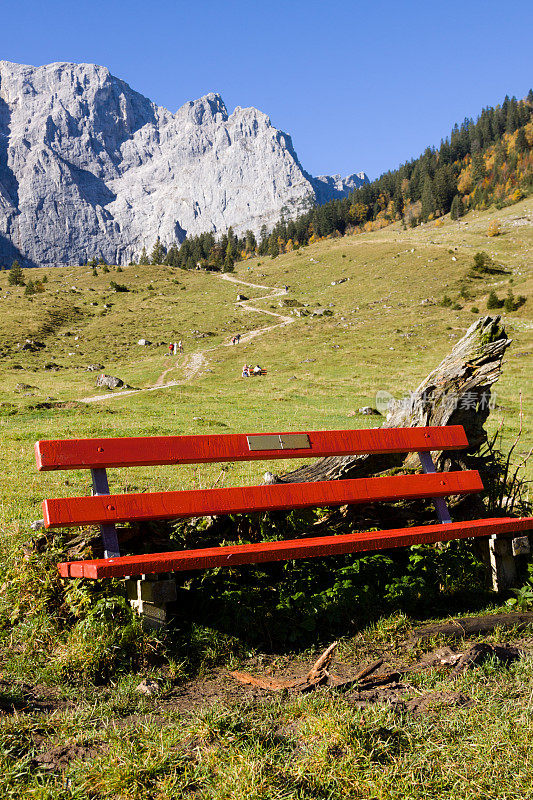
(387, 329)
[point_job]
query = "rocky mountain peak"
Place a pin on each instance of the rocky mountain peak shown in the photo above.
(88, 166)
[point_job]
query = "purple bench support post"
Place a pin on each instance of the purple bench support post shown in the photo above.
(440, 503)
(108, 531)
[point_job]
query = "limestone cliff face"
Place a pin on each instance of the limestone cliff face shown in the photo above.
(90, 167)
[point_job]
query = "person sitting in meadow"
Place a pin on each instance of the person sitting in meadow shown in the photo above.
(257, 370)
(246, 371)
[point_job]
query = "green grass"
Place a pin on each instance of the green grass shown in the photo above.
(382, 335)
(315, 746)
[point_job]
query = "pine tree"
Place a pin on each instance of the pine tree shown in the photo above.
(456, 210)
(521, 141)
(428, 200)
(16, 275)
(251, 243)
(172, 257)
(143, 259)
(228, 264)
(273, 246)
(158, 253)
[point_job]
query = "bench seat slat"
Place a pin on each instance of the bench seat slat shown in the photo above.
(283, 496)
(158, 450)
(289, 549)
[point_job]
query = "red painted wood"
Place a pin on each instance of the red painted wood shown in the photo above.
(285, 550)
(158, 450)
(282, 496)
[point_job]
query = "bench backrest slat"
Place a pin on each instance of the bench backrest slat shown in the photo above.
(283, 496)
(160, 450)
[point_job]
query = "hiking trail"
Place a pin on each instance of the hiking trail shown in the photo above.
(192, 364)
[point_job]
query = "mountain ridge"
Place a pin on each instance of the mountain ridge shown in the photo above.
(90, 167)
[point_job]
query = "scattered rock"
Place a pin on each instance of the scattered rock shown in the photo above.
(322, 312)
(289, 302)
(148, 687)
(447, 656)
(23, 387)
(94, 367)
(341, 280)
(144, 342)
(32, 346)
(109, 382)
(241, 298)
(369, 411)
(52, 366)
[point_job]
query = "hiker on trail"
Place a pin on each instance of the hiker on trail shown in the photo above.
(234, 340)
(238, 338)
(180, 346)
(174, 348)
(257, 370)
(170, 349)
(246, 371)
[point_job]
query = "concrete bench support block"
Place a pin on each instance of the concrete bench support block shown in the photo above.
(149, 595)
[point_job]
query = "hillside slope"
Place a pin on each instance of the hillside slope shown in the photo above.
(367, 316)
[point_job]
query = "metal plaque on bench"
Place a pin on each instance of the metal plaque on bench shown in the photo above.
(295, 441)
(287, 441)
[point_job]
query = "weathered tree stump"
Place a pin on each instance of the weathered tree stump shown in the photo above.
(457, 392)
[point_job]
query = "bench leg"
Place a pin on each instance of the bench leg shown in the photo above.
(505, 560)
(149, 595)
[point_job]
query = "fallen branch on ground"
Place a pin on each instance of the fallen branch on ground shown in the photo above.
(471, 626)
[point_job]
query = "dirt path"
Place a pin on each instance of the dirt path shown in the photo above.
(194, 364)
(196, 361)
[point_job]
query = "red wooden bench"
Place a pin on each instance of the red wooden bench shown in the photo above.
(106, 509)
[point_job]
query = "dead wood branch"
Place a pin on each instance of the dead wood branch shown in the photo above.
(320, 668)
(457, 392)
(471, 626)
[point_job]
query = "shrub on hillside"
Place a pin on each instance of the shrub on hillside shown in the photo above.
(482, 262)
(512, 303)
(494, 301)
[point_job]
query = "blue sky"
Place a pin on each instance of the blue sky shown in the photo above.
(358, 85)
